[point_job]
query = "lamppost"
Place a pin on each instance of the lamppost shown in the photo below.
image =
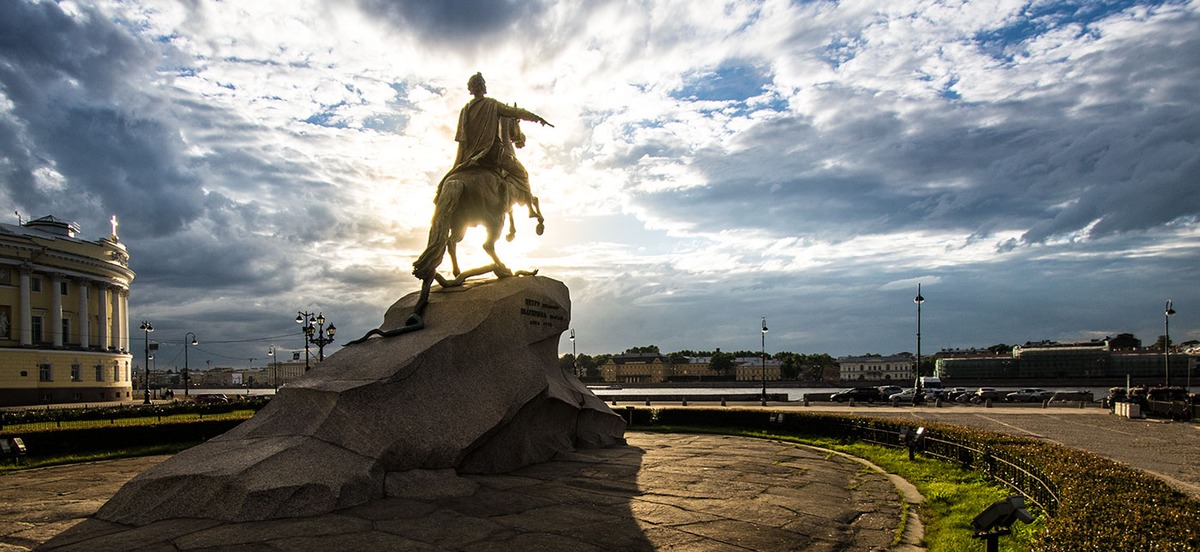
(146, 329)
(315, 333)
(574, 355)
(917, 387)
(273, 352)
(185, 360)
(764, 361)
(1167, 314)
(324, 336)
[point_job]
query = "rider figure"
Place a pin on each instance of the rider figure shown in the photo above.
(480, 142)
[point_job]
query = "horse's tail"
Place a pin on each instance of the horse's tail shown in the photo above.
(439, 230)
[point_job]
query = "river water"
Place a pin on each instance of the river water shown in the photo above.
(604, 391)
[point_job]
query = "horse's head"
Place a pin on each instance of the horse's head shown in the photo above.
(510, 131)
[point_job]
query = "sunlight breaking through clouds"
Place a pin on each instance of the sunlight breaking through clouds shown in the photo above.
(711, 161)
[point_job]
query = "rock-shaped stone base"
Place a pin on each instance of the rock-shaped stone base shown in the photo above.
(479, 390)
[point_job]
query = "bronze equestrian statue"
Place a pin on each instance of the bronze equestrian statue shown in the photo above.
(481, 188)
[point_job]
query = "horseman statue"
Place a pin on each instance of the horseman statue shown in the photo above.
(487, 132)
(480, 189)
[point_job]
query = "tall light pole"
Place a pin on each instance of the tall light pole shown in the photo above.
(185, 360)
(1168, 312)
(764, 361)
(574, 355)
(275, 360)
(146, 329)
(307, 319)
(917, 388)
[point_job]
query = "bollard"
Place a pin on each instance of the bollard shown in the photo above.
(723, 402)
(647, 402)
(938, 403)
(1081, 403)
(18, 447)
(629, 421)
(895, 402)
(851, 401)
(987, 403)
(806, 400)
(1046, 403)
(685, 401)
(614, 402)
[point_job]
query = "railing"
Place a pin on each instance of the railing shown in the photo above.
(1012, 471)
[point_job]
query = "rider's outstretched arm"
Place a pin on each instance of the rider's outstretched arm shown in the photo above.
(506, 110)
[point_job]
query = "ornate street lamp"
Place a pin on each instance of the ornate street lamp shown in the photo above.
(146, 329)
(917, 398)
(186, 376)
(1167, 314)
(764, 361)
(315, 333)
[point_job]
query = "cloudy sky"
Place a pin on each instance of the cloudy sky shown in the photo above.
(1033, 165)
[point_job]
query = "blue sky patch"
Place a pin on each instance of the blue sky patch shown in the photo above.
(726, 83)
(1039, 18)
(328, 117)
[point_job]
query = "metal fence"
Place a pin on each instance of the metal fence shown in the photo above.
(1010, 470)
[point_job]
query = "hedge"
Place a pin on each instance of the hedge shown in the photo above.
(106, 438)
(1103, 505)
(41, 415)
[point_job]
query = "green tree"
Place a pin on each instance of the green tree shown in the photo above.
(1000, 349)
(566, 362)
(645, 350)
(721, 363)
(789, 364)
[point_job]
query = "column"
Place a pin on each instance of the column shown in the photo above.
(124, 295)
(85, 338)
(102, 324)
(115, 322)
(56, 333)
(25, 317)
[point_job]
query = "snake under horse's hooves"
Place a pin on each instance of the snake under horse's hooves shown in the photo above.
(415, 322)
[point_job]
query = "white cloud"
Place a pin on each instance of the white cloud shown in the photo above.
(711, 161)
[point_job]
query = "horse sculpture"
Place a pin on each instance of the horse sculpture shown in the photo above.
(471, 196)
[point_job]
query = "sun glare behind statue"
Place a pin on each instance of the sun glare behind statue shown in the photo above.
(516, 255)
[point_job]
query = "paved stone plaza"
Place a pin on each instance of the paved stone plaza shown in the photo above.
(662, 492)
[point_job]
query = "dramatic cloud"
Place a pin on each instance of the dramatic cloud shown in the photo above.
(1031, 164)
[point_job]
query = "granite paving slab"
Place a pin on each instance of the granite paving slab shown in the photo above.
(660, 492)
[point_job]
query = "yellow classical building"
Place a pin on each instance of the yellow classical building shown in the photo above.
(64, 304)
(656, 368)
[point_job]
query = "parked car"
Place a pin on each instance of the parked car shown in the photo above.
(955, 392)
(889, 390)
(904, 396)
(986, 393)
(1031, 394)
(868, 394)
(211, 398)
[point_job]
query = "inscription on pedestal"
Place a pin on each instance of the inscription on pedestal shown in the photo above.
(542, 313)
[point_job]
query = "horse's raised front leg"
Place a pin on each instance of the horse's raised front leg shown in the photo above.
(535, 211)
